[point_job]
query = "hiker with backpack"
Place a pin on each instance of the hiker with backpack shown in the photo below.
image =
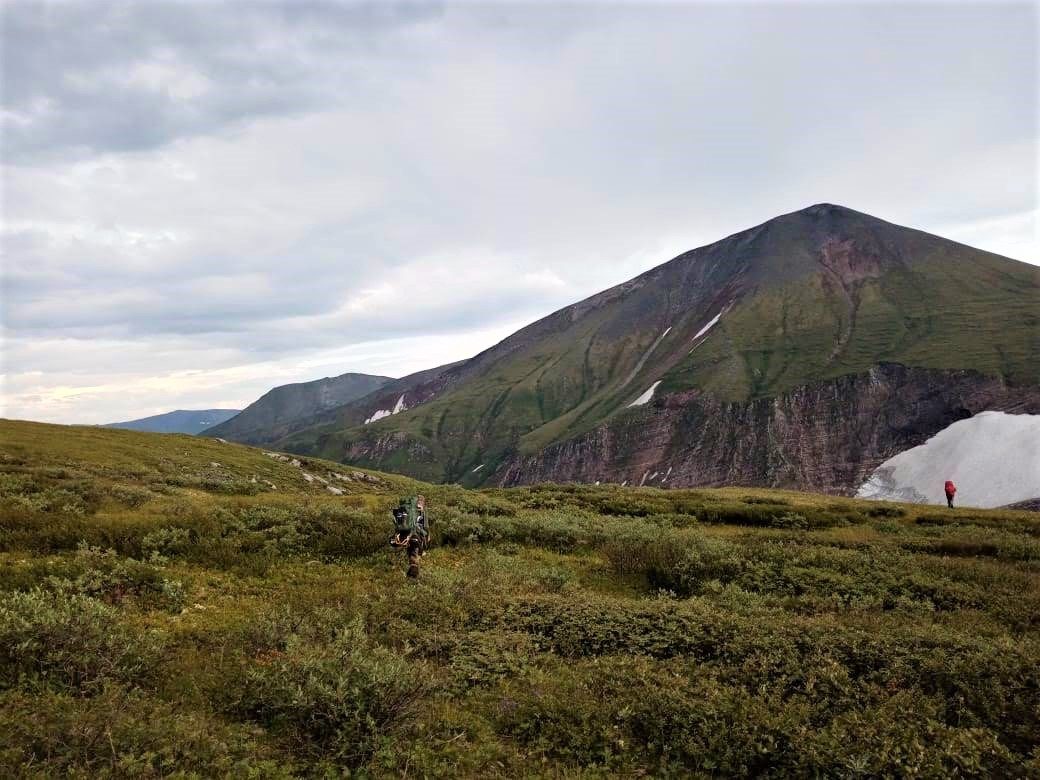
(951, 491)
(411, 530)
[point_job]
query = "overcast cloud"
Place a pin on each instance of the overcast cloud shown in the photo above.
(201, 201)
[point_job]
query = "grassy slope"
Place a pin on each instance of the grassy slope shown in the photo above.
(234, 628)
(946, 312)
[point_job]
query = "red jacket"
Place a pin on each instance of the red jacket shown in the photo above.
(950, 488)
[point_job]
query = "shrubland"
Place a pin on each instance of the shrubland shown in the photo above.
(171, 606)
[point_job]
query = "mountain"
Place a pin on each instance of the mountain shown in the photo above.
(276, 412)
(803, 352)
(191, 421)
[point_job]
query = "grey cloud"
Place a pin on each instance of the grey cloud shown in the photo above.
(91, 77)
(239, 176)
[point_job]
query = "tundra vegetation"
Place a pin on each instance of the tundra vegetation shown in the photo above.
(171, 606)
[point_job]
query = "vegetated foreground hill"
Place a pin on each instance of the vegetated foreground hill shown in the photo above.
(180, 605)
(190, 421)
(801, 353)
(276, 412)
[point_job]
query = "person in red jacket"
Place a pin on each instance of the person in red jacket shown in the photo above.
(951, 491)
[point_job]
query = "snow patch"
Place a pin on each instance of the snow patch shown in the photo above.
(993, 458)
(645, 397)
(381, 413)
(478, 468)
(711, 324)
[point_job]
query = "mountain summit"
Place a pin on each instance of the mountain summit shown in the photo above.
(801, 352)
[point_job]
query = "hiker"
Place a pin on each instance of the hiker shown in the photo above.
(951, 491)
(411, 530)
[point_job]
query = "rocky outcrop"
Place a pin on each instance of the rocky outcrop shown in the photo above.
(826, 436)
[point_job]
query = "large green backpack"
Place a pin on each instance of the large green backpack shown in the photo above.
(406, 516)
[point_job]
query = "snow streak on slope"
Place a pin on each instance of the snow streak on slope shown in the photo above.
(711, 323)
(645, 357)
(993, 458)
(381, 413)
(645, 397)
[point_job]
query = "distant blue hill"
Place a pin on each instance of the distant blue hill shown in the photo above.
(181, 421)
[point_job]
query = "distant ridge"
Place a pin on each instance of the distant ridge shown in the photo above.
(191, 421)
(272, 415)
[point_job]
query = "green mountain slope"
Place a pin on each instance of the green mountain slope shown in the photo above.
(175, 606)
(275, 413)
(811, 296)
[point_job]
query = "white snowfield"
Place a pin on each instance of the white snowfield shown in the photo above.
(645, 397)
(993, 458)
(708, 326)
(381, 413)
(711, 324)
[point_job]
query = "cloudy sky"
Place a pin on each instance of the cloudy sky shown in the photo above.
(201, 201)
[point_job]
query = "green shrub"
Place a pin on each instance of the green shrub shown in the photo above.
(678, 561)
(482, 658)
(124, 733)
(70, 640)
(129, 495)
(687, 562)
(319, 529)
(790, 520)
(104, 575)
(168, 541)
(337, 699)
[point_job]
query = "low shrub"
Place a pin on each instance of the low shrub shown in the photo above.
(336, 699)
(682, 562)
(71, 640)
(130, 495)
(105, 575)
(125, 733)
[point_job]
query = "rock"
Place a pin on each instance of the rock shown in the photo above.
(826, 437)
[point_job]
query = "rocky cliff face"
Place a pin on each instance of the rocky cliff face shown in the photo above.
(826, 436)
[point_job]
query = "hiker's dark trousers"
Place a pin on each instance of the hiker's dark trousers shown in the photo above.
(414, 554)
(949, 500)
